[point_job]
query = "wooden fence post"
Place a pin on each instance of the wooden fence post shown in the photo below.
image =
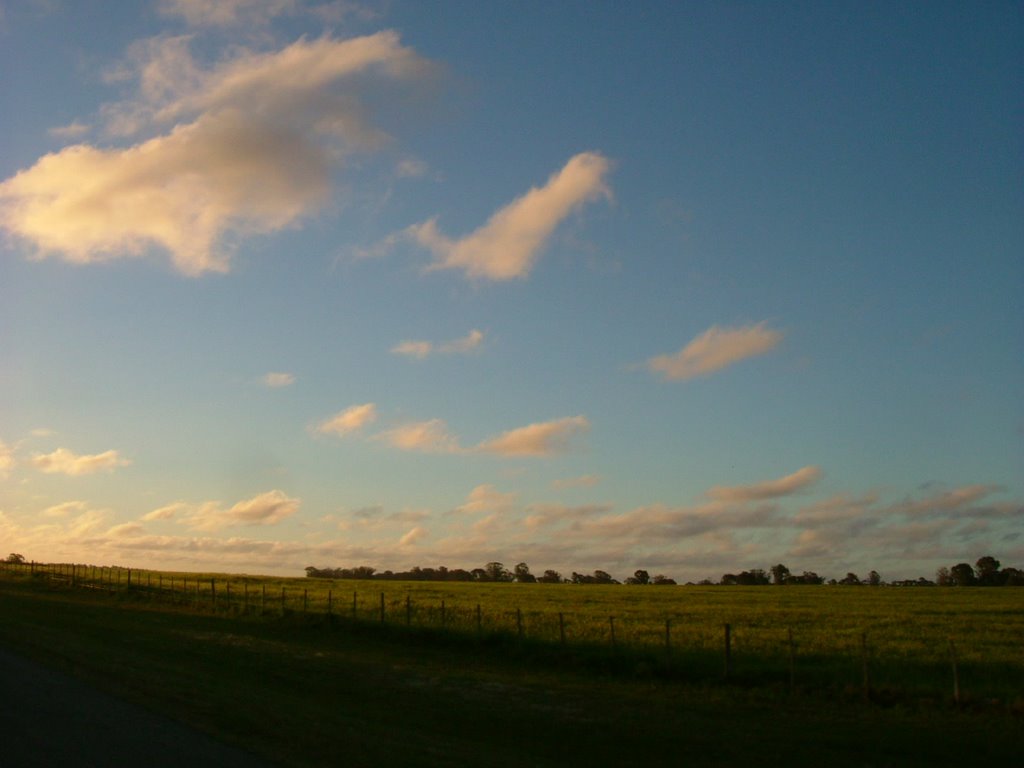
(668, 635)
(611, 629)
(479, 620)
(330, 597)
(355, 604)
(305, 600)
(728, 650)
(408, 610)
(381, 607)
(519, 623)
(561, 628)
(444, 615)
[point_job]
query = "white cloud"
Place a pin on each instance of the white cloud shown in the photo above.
(423, 349)
(6, 459)
(413, 536)
(410, 168)
(352, 419)
(507, 246)
(224, 13)
(425, 436)
(276, 380)
(487, 498)
(166, 512)
(267, 508)
(583, 481)
(541, 439)
(770, 489)
(125, 530)
(72, 130)
(65, 462)
(65, 508)
(251, 151)
(715, 349)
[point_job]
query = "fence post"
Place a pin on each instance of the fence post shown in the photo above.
(611, 628)
(668, 635)
(444, 615)
(956, 673)
(728, 650)
(561, 628)
(381, 607)
(329, 598)
(408, 610)
(519, 623)
(479, 620)
(305, 600)
(355, 603)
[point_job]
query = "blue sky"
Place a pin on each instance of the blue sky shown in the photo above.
(686, 287)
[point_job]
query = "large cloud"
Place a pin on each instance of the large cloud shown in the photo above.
(63, 461)
(715, 349)
(507, 246)
(251, 151)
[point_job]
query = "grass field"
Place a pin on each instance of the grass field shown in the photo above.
(904, 640)
(309, 693)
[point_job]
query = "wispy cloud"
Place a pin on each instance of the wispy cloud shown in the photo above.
(352, 419)
(508, 245)
(63, 461)
(276, 380)
(487, 498)
(423, 349)
(540, 439)
(714, 350)
(423, 436)
(251, 150)
(72, 130)
(6, 459)
(267, 508)
(583, 481)
(770, 489)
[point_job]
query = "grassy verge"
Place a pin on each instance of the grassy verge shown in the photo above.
(307, 694)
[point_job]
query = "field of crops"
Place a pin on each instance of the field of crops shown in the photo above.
(885, 638)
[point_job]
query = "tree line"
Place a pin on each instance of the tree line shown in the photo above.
(987, 572)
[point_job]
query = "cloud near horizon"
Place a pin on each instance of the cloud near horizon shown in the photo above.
(253, 143)
(63, 461)
(508, 245)
(715, 349)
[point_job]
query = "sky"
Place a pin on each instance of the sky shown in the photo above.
(688, 287)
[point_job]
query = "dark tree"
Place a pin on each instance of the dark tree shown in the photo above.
(523, 575)
(551, 577)
(943, 577)
(639, 577)
(987, 569)
(661, 580)
(14, 557)
(780, 573)
(963, 575)
(874, 579)
(851, 579)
